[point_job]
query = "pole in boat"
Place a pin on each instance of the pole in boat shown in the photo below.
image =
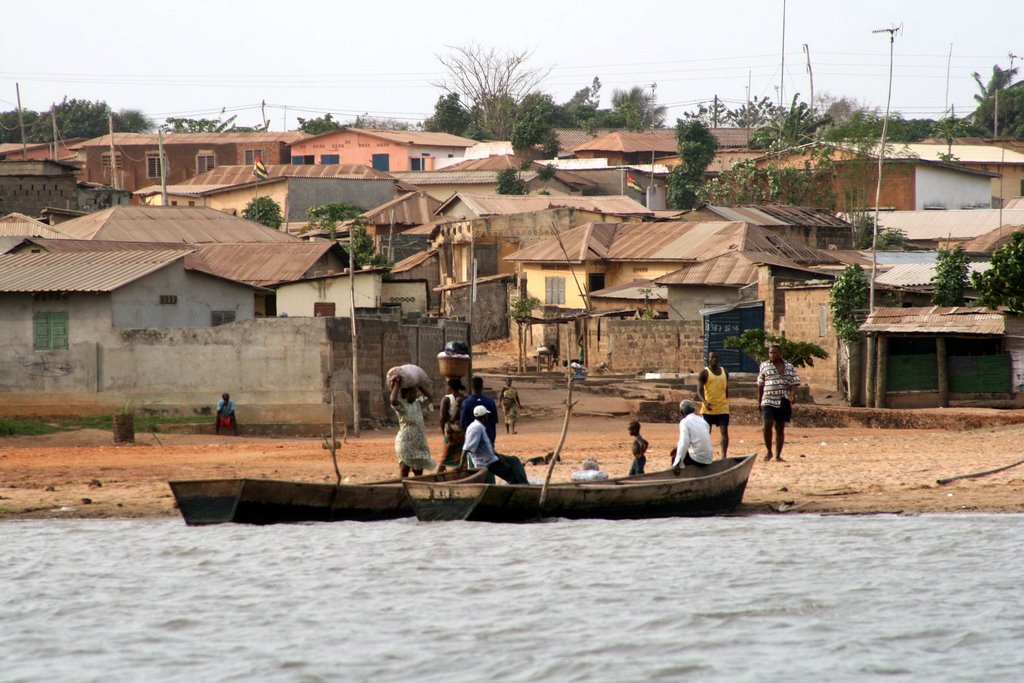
(561, 440)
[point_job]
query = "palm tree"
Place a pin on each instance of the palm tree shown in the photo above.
(1000, 80)
(638, 109)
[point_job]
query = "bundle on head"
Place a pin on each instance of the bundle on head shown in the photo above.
(412, 376)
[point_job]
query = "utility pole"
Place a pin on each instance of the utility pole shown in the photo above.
(782, 67)
(714, 113)
(355, 338)
(650, 179)
(113, 154)
(21, 123)
(53, 122)
(163, 167)
(892, 31)
(807, 51)
(949, 62)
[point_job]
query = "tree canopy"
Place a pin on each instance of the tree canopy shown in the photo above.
(319, 125)
(1003, 283)
(75, 119)
(847, 302)
(263, 210)
(951, 277)
(696, 146)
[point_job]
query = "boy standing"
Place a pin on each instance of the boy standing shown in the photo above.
(639, 449)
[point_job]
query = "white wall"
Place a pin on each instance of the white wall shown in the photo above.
(297, 298)
(138, 304)
(411, 295)
(941, 188)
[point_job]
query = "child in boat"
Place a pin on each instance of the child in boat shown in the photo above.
(411, 441)
(639, 449)
(591, 472)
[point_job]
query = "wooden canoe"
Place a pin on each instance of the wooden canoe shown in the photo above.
(268, 501)
(695, 492)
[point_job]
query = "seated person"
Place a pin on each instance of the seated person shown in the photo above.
(480, 451)
(591, 472)
(226, 415)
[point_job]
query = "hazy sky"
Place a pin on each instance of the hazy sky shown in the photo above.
(305, 58)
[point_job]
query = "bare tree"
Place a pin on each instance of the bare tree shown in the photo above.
(490, 83)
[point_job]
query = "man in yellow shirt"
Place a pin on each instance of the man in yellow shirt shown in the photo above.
(713, 394)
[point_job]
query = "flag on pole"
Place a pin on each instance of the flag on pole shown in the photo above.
(259, 169)
(632, 184)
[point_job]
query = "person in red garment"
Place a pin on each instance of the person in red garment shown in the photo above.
(226, 414)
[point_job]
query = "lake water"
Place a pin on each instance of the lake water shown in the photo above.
(762, 598)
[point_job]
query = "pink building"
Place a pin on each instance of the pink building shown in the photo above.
(383, 150)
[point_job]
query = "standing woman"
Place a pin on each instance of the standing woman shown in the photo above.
(451, 428)
(411, 441)
(510, 404)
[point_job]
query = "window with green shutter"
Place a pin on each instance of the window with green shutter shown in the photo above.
(50, 331)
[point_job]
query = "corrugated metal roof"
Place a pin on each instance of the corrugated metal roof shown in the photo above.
(411, 208)
(667, 241)
(63, 246)
(80, 271)
(735, 269)
(992, 240)
(501, 204)
(919, 274)
(935, 320)
(446, 177)
(967, 154)
(780, 214)
(189, 224)
(126, 139)
(405, 137)
(20, 225)
(497, 162)
(957, 224)
(479, 281)
(659, 140)
(411, 262)
(260, 264)
(227, 176)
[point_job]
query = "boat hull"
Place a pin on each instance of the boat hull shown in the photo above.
(696, 492)
(268, 501)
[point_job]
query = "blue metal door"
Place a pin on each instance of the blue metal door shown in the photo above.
(731, 323)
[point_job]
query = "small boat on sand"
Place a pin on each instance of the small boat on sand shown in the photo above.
(696, 492)
(268, 501)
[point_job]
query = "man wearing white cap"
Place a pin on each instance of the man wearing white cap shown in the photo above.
(694, 447)
(478, 447)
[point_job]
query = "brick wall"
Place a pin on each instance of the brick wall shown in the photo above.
(803, 322)
(646, 345)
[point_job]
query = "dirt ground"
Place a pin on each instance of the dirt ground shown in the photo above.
(827, 470)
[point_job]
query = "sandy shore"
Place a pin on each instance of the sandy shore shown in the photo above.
(828, 470)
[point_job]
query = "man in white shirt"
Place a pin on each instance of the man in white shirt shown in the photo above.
(481, 452)
(694, 447)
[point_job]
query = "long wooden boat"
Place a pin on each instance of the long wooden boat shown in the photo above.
(269, 501)
(695, 492)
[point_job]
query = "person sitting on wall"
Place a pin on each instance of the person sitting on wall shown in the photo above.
(226, 415)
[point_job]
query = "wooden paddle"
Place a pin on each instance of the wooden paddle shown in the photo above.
(561, 441)
(983, 473)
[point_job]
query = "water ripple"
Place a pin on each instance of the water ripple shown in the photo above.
(803, 598)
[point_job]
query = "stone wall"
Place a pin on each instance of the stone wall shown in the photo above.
(672, 346)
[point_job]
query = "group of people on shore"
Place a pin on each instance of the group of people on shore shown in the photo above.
(469, 426)
(777, 381)
(469, 422)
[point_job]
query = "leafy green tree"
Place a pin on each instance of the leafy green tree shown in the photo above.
(185, 125)
(326, 217)
(1003, 283)
(533, 123)
(951, 277)
(755, 343)
(510, 182)
(789, 128)
(449, 116)
(36, 129)
(320, 125)
(848, 301)
(263, 210)
(697, 147)
(638, 109)
(133, 121)
(379, 123)
(83, 118)
(745, 183)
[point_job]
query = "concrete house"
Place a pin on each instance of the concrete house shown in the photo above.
(136, 161)
(383, 150)
(620, 147)
(560, 271)
(388, 224)
(20, 225)
(295, 188)
(1007, 164)
(28, 186)
(330, 295)
(946, 229)
(62, 312)
(812, 226)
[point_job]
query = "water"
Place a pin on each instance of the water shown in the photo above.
(764, 598)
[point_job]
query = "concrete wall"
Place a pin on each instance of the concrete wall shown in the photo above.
(198, 295)
(28, 186)
(674, 346)
(298, 298)
(276, 369)
(305, 193)
(942, 188)
(410, 295)
(490, 313)
(686, 301)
